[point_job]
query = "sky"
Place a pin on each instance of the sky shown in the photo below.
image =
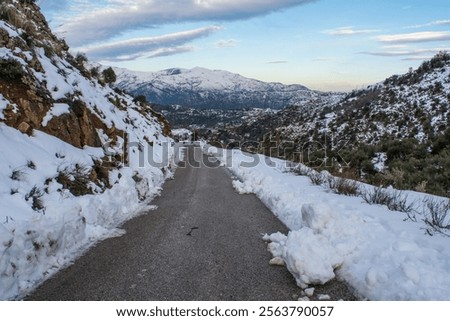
(336, 45)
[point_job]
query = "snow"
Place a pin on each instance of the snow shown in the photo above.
(379, 162)
(3, 105)
(57, 110)
(380, 253)
(36, 243)
(182, 134)
(44, 227)
(58, 86)
(214, 87)
(11, 32)
(309, 291)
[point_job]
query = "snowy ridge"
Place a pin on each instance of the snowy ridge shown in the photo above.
(405, 118)
(415, 104)
(56, 198)
(212, 89)
(378, 252)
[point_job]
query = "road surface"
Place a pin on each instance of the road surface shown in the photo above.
(204, 242)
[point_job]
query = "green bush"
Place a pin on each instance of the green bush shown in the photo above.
(11, 70)
(109, 75)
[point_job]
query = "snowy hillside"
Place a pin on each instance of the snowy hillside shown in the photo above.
(70, 169)
(404, 120)
(212, 89)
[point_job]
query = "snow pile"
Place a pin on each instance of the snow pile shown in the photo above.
(43, 226)
(377, 251)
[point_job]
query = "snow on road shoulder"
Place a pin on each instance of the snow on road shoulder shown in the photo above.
(378, 252)
(43, 227)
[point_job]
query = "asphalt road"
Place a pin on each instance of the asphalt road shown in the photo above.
(202, 243)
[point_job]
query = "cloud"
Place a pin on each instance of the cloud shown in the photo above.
(227, 43)
(163, 52)
(348, 31)
(405, 52)
(149, 47)
(53, 4)
(277, 62)
(421, 58)
(431, 24)
(425, 36)
(321, 59)
(120, 16)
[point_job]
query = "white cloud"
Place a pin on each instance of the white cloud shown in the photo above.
(425, 36)
(120, 16)
(321, 59)
(278, 62)
(432, 23)
(227, 43)
(406, 52)
(420, 58)
(150, 47)
(349, 31)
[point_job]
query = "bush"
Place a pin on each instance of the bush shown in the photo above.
(141, 99)
(299, 169)
(35, 195)
(11, 70)
(437, 214)
(77, 181)
(343, 186)
(17, 175)
(95, 72)
(109, 76)
(317, 178)
(394, 200)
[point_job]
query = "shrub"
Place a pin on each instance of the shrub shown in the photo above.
(35, 195)
(17, 175)
(343, 186)
(394, 200)
(109, 76)
(141, 99)
(317, 178)
(11, 70)
(437, 214)
(77, 180)
(95, 72)
(300, 169)
(31, 165)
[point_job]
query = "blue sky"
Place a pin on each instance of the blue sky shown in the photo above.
(323, 44)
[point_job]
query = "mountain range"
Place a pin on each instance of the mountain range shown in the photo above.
(202, 88)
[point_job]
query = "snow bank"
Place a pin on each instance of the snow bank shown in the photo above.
(35, 243)
(43, 225)
(378, 252)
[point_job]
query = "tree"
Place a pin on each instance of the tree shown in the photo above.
(141, 99)
(109, 76)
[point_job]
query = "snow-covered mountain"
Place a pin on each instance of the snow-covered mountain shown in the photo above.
(70, 165)
(212, 89)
